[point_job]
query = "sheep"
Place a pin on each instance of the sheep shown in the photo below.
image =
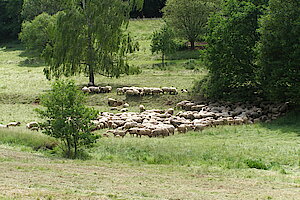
(124, 110)
(129, 125)
(85, 90)
(199, 127)
(161, 131)
(143, 131)
(119, 133)
(94, 89)
(111, 102)
(173, 91)
(142, 108)
(182, 128)
(120, 91)
(3, 126)
(133, 131)
(156, 91)
(30, 125)
(13, 124)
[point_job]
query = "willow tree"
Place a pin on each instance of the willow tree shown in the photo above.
(90, 38)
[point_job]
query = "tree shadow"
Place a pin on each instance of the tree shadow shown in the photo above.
(288, 123)
(31, 58)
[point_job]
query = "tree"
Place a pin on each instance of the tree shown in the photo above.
(67, 118)
(232, 36)
(35, 34)
(33, 8)
(279, 51)
(89, 37)
(10, 19)
(163, 41)
(188, 17)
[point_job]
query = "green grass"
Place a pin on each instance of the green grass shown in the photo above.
(227, 147)
(21, 137)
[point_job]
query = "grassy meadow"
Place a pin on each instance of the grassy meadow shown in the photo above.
(259, 161)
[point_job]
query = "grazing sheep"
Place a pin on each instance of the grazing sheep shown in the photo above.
(30, 125)
(86, 90)
(143, 131)
(13, 124)
(182, 128)
(94, 89)
(124, 110)
(120, 91)
(3, 126)
(142, 108)
(111, 102)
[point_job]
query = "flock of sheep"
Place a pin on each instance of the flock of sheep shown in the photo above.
(155, 123)
(196, 117)
(95, 89)
(141, 91)
(34, 126)
(133, 91)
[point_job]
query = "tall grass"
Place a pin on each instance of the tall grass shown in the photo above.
(19, 137)
(247, 146)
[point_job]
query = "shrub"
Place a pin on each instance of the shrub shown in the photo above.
(67, 118)
(35, 34)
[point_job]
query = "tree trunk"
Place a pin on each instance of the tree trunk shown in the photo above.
(192, 45)
(163, 60)
(91, 75)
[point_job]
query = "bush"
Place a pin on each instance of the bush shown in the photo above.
(35, 34)
(67, 118)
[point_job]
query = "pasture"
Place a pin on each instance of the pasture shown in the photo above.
(257, 161)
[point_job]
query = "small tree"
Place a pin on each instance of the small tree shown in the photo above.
(67, 118)
(188, 17)
(163, 41)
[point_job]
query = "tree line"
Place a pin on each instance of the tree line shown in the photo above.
(252, 52)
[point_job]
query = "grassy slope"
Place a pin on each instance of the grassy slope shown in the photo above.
(208, 165)
(219, 163)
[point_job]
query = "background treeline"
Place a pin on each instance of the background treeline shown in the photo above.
(12, 14)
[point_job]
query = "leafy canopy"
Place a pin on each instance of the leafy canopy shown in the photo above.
(188, 17)
(232, 37)
(90, 37)
(279, 51)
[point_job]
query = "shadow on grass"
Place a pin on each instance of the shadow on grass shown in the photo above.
(288, 123)
(32, 58)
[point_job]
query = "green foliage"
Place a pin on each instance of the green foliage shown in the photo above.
(33, 8)
(188, 17)
(67, 118)
(10, 18)
(163, 41)
(232, 37)
(279, 51)
(89, 37)
(35, 34)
